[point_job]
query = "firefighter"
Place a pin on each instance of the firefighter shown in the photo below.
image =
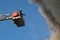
(17, 19)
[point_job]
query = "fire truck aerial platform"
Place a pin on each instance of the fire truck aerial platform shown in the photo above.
(16, 17)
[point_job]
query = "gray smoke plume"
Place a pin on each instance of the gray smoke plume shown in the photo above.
(50, 9)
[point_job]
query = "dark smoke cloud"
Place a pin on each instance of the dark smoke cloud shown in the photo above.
(50, 9)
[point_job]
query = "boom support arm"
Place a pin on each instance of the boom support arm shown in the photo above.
(7, 17)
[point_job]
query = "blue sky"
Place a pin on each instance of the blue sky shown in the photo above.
(35, 27)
